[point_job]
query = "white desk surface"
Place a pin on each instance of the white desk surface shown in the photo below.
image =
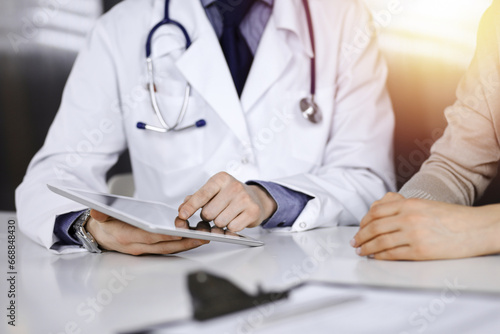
(56, 293)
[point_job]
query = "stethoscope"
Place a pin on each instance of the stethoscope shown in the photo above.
(308, 107)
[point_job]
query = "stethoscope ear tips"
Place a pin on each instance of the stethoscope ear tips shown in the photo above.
(143, 126)
(201, 123)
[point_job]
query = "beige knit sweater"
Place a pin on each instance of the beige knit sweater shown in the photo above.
(466, 158)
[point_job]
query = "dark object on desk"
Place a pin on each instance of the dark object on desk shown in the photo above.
(214, 296)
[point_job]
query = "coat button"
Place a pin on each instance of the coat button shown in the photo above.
(244, 160)
(302, 225)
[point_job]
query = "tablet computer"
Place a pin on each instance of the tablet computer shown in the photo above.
(153, 217)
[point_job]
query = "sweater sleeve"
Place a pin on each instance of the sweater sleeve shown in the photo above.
(465, 159)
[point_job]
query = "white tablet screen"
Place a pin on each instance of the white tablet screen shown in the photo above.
(155, 214)
(150, 216)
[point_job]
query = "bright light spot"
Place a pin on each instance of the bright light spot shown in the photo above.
(432, 28)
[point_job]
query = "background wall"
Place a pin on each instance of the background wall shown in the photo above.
(428, 45)
(39, 41)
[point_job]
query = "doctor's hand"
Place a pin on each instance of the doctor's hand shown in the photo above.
(396, 228)
(115, 235)
(229, 203)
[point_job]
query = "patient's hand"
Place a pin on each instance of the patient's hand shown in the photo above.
(396, 228)
(115, 235)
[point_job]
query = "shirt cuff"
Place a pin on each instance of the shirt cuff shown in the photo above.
(63, 228)
(290, 204)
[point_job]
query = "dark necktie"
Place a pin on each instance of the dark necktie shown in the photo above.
(238, 55)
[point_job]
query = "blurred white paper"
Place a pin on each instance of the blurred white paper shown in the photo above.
(327, 309)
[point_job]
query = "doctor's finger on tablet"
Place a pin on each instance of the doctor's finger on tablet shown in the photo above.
(205, 195)
(229, 203)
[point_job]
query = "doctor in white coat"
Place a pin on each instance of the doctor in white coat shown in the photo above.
(343, 163)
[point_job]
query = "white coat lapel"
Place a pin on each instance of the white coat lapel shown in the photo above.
(205, 67)
(274, 53)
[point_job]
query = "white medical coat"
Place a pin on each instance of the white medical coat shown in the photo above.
(344, 163)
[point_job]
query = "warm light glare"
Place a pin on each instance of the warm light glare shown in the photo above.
(433, 28)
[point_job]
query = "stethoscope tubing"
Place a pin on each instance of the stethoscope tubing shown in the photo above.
(154, 102)
(165, 127)
(313, 47)
(308, 107)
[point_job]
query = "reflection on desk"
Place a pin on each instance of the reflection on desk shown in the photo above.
(113, 292)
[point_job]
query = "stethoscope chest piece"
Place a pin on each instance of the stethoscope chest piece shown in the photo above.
(310, 110)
